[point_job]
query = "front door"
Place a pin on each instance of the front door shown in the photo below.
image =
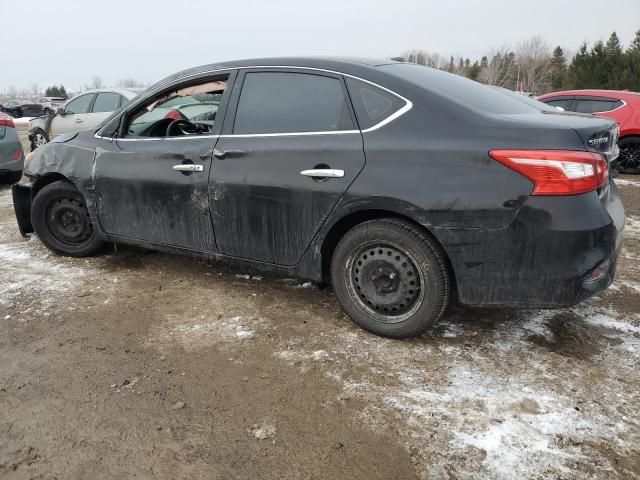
(290, 150)
(72, 120)
(152, 184)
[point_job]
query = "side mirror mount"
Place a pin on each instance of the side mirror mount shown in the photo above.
(61, 112)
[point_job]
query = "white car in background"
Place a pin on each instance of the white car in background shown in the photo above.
(51, 104)
(84, 111)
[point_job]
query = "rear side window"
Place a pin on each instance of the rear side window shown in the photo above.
(372, 104)
(80, 104)
(106, 102)
(596, 105)
(275, 102)
(459, 89)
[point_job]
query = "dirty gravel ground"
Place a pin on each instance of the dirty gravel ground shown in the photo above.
(143, 364)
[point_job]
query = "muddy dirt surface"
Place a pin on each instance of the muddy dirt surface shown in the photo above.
(146, 365)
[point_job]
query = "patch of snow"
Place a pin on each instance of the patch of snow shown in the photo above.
(621, 182)
(203, 331)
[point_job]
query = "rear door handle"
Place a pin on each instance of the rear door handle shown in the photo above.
(323, 173)
(228, 153)
(79, 120)
(188, 167)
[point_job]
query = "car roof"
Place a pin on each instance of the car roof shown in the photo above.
(346, 65)
(125, 92)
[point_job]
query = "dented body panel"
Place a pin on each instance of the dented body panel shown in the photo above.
(430, 166)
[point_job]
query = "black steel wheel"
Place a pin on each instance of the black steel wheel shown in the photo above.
(629, 159)
(61, 220)
(390, 277)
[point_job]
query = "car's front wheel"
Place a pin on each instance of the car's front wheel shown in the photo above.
(390, 277)
(60, 218)
(38, 138)
(629, 159)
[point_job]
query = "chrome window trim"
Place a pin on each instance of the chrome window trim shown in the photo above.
(408, 106)
(577, 98)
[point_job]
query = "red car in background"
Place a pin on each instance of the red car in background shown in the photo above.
(621, 106)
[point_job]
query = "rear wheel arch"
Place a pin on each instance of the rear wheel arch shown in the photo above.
(351, 220)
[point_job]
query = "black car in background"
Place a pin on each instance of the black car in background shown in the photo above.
(23, 108)
(403, 186)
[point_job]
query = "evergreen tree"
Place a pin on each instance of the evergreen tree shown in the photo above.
(558, 69)
(474, 71)
(613, 63)
(631, 70)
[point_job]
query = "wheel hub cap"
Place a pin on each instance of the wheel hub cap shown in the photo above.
(386, 280)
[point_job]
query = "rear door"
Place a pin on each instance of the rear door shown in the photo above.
(104, 105)
(289, 151)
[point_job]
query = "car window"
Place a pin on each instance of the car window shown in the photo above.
(80, 104)
(279, 102)
(106, 102)
(196, 105)
(458, 89)
(596, 106)
(372, 104)
(123, 100)
(559, 103)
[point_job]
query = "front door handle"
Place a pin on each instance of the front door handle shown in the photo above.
(323, 173)
(188, 167)
(79, 120)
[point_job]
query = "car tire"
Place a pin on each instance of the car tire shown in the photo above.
(390, 277)
(629, 159)
(38, 138)
(60, 218)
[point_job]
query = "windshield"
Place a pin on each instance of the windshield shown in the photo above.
(459, 89)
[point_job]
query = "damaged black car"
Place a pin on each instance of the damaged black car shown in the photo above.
(404, 187)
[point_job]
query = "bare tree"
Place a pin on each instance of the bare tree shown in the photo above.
(534, 63)
(12, 91)
(35, 90)
(500, 67)
(129, 83)
(96, 82)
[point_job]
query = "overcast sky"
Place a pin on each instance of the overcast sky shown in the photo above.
(70, 41)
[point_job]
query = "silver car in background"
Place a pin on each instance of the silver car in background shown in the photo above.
(84, 111)
(11, 154)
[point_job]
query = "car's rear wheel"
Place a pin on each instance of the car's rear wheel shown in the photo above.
(38, 138)
(629, 159)
(390, 277)
(61, 220)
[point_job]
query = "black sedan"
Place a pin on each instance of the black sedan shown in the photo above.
(23, 108)
(403, 186)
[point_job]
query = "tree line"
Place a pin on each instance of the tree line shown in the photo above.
(535, 67)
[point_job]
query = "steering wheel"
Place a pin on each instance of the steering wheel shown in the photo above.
(180, 127)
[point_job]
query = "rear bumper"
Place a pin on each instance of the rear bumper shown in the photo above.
(559, 251)
(22, 206)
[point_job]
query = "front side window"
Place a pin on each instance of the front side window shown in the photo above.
(372, 104)
(80, 104)
(279, 102)
(562, 103)
(189, 110)
(106, 102)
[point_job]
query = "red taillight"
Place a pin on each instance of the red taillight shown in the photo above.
(6, 121)
(556, 172)
(17, 154)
